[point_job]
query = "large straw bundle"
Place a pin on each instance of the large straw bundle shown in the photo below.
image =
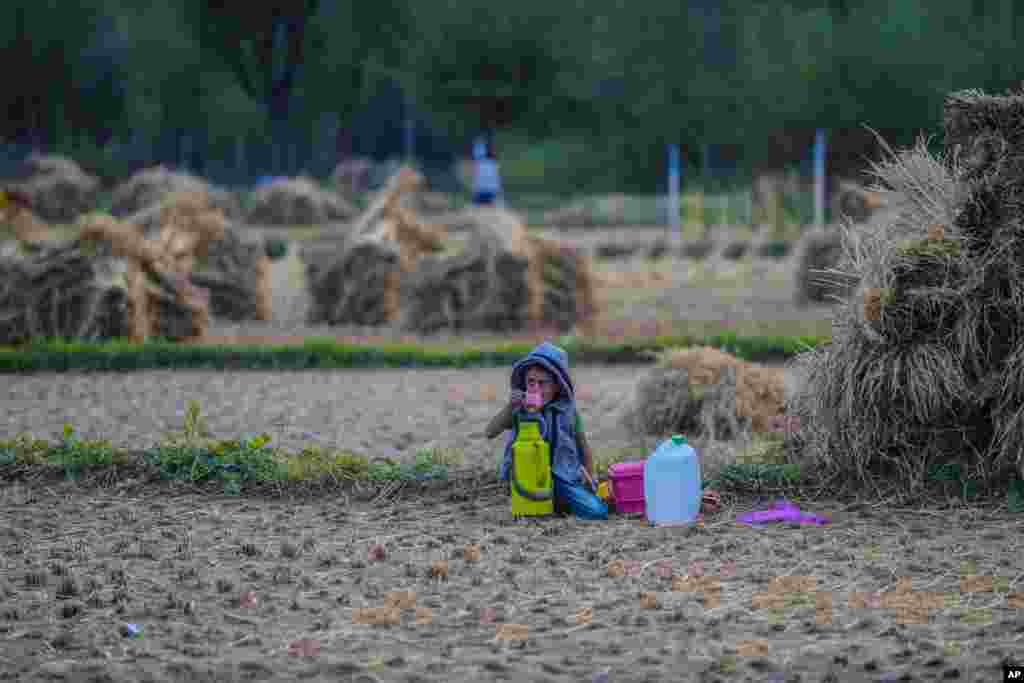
(193, 235)
(927, 362)
(56, 188)
(297, 201)
(360, 282)
(66, 289)
(484, 272)
(501, 279)
(492, 281)
(709, 392)
(153, 185)
(163, 301)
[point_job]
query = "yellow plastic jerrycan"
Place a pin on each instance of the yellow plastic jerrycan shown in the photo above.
(533, 489)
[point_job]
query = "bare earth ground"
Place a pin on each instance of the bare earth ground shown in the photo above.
(78, 564)
(220, 588)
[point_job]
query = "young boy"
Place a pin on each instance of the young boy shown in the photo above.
(572, 463)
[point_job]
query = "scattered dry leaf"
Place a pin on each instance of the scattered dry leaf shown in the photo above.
(304, 647)
(512, 632)
(616, 569)
(752, 648)
(400, 599)
(377, 616)
(584, 615)
(439, 569)
(471, 553)
(977, 584)
(1015, 600)
(648, 600)
(424, 616)
(728, 569)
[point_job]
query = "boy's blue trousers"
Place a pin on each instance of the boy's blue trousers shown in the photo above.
(579, 500)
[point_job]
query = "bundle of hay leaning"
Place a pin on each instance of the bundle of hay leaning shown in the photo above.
(926, 363)
(235, 272)
(164, 300)
(359, 282)
(107, 283)
(487, 273)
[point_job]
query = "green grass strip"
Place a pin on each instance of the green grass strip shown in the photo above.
(326, 353)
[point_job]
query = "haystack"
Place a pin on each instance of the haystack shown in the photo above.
(482, 271)
(297, 201)
(501, 279)
(57, 188)
(163, 301)
(706, 392)
(152, 185)
(66, 289)
(235, 271)
(927, 361)
(359, 283)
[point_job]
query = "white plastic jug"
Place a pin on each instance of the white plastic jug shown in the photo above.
(672, 483)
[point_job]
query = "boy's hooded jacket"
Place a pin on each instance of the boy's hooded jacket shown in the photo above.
(557, 418)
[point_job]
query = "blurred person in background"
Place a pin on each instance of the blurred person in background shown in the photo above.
(486, 180)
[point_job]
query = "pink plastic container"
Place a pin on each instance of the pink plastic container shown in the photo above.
(627, 486)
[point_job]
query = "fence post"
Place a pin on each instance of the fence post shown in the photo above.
(673, 194)
(819, 178)
(239, 156)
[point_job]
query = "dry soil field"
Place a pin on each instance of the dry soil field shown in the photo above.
(445, 586)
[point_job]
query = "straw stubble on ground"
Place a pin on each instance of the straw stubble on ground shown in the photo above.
(261, 589)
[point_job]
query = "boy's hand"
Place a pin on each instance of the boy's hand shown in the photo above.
(589, 479)
(516, 398)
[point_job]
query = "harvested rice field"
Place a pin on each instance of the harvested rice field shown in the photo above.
(140, 580)
(146, 582)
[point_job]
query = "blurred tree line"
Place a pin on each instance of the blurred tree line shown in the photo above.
(326, 77)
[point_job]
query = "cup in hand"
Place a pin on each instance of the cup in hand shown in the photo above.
(534, 399)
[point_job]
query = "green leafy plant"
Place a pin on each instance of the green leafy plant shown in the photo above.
(953, 472)
(74, 453)
(424, 467)
(755, 474)
(314, 462)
